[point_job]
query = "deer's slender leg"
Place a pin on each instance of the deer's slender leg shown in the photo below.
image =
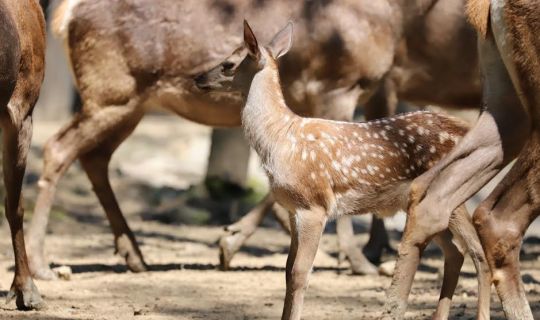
(491, 143)
(240, 231)
(378, 240)
(96, 165)
(502, 219)
(282, 216)
(80, 136)
(347, 246)
(453, 261)
(465, 235)
(16, 143)
(307, 228)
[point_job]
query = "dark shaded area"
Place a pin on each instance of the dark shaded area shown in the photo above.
(225, 9)
(120, 268)
(311, 7)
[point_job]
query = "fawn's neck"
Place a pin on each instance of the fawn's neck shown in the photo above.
(266, 119)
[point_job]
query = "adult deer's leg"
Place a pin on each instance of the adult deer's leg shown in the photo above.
(16, 143)
(491, 143)
(240, 231)
(453, 261)
(82, 134)
(347, 247)
(501, 221)
(96, 164)
(307, 227)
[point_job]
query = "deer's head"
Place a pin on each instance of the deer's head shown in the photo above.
(235, 73)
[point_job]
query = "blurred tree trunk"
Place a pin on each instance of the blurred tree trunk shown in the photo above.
(56, 92)
(228, 164)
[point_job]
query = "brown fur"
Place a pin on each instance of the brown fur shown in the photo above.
(22, 57)
(478, 15)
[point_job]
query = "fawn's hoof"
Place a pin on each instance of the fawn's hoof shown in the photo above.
(229, 244)
(26, 297)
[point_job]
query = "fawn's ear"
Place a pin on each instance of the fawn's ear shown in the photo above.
(282, 41)
(251, 42)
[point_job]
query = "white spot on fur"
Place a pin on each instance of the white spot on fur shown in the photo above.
(443, 136)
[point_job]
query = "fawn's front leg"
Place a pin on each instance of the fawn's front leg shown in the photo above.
(306, 230)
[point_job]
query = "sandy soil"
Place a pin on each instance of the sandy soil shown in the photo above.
(184, 282)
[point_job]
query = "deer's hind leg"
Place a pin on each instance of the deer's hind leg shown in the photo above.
(501, 221)
(96, 165)
(83, 134)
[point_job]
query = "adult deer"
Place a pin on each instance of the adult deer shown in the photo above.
(22, 61)
(436, 63)
(320, 169)
(131, 56)
(507, 127)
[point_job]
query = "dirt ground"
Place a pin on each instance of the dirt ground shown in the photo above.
(184, 281)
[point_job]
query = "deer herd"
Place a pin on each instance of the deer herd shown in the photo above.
(293, 83)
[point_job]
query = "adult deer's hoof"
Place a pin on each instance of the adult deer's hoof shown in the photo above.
(44, 273)
(39, 269)
(26, 297)
(130, 252)
(229, 244)
(364, 268)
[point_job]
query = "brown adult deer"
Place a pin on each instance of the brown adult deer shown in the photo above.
(320, 169)
(507, 127)
(22, 62)
(131, 56)
(436, 64)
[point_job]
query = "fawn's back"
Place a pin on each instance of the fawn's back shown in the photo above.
(352, 168)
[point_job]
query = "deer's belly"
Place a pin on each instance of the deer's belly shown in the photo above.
(383, 201)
